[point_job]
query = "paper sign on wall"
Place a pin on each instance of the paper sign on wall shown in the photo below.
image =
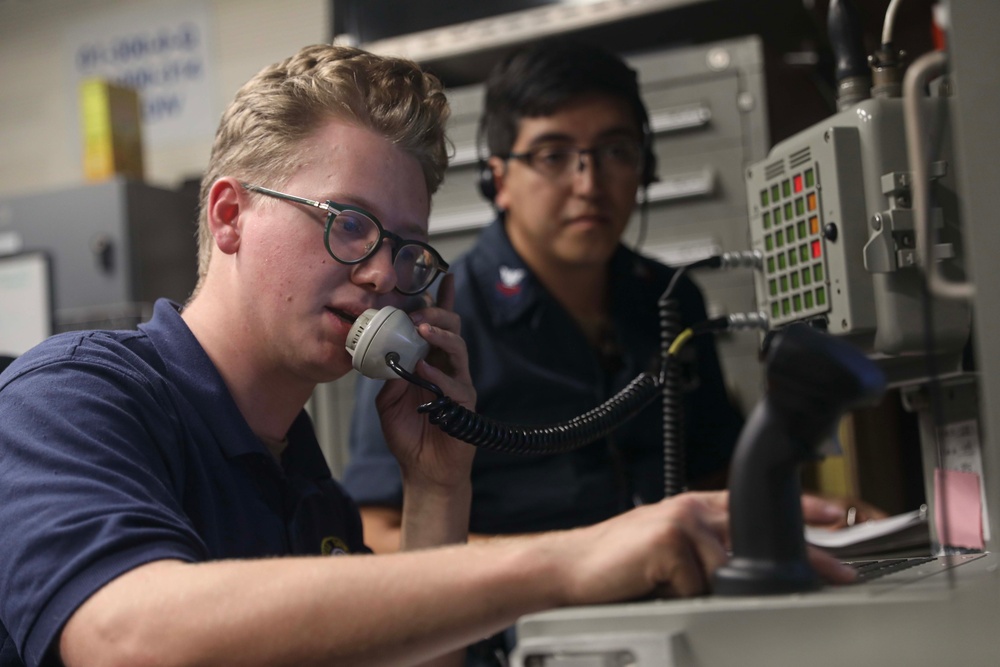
(163, 50)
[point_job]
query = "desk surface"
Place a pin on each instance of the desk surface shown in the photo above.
(919, 617)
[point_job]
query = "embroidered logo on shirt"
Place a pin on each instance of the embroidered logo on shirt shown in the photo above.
(510, 281)
(333, 546)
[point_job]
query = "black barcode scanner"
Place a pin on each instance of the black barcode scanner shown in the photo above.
(812, 379)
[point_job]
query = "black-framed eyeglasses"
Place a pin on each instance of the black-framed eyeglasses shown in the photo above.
(558, 160)
(353, 235)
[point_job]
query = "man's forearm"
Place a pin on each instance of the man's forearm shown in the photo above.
(399, 609)
(434, 516)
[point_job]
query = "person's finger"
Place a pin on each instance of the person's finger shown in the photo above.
(867, 512)
(685, 575)
(819, 511)
(446, 292)
(831, 569)
(694, 545)
(713, 512)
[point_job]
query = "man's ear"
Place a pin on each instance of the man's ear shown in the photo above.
(227, 199)
(499, 169)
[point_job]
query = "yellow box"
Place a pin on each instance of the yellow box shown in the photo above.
(111, 123)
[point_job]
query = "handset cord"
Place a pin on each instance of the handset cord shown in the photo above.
(464, 424)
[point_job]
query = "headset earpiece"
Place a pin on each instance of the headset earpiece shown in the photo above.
(484, 179)
(648, 159)
(487, 186)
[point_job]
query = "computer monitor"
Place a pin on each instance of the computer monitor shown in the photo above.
(26, 305)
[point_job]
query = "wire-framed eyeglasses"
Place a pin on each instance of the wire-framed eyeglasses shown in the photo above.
(353, 235)
(558, 161)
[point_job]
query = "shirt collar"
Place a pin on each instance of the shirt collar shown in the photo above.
(196, 377)
(514, 291)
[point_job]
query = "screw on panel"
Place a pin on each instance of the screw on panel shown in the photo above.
(718, 59)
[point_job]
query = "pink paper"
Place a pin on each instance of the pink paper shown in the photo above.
(958, 513)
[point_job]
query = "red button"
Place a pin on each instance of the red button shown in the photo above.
(797, 183)
(817, 251)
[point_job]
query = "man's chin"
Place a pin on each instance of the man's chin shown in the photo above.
(590, 252)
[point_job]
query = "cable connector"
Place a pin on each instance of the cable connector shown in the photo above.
(742, 259)
(758, 320)
(734, 322)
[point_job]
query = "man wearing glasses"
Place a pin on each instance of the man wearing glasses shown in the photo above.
(163, 499)
(558, 315)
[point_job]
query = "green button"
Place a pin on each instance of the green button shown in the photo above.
(781, 261)
(788, 212)
(763, 197)
(791, 258)
(818, 273)
(768, 242)
(786, 307)
(784, 284)
(786, 188)
(779, 238)
(772, 287)
(809, 299)
(810, 178)
(800, 206)
(775, 310)
(767, 220)
(775, 195)
(797, 303)
(821, 295)
(803, 231)
(795, 280)
(806, 277)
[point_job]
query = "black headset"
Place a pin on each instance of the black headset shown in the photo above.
(487, 185)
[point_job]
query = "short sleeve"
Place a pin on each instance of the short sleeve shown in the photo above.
(87, 491)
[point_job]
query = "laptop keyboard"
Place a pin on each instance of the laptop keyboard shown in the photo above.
(873, 569)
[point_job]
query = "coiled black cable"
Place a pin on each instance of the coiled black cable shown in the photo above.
(674, 472)
(462, 423)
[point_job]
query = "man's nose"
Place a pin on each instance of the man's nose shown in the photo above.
(377, 270)
(583, 177)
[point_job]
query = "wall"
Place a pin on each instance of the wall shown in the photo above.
(38, 138)
(38, 116)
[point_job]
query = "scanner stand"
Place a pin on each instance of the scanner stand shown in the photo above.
(812, 379)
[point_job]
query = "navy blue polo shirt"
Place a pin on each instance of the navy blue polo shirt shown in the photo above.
(121, 448)
(532, 364)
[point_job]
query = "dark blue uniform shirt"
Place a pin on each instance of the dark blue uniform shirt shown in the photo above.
(531, 364)
(121, 448)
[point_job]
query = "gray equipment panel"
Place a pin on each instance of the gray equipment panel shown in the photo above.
(115, 247)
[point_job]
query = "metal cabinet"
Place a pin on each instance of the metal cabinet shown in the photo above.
(115, 247)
